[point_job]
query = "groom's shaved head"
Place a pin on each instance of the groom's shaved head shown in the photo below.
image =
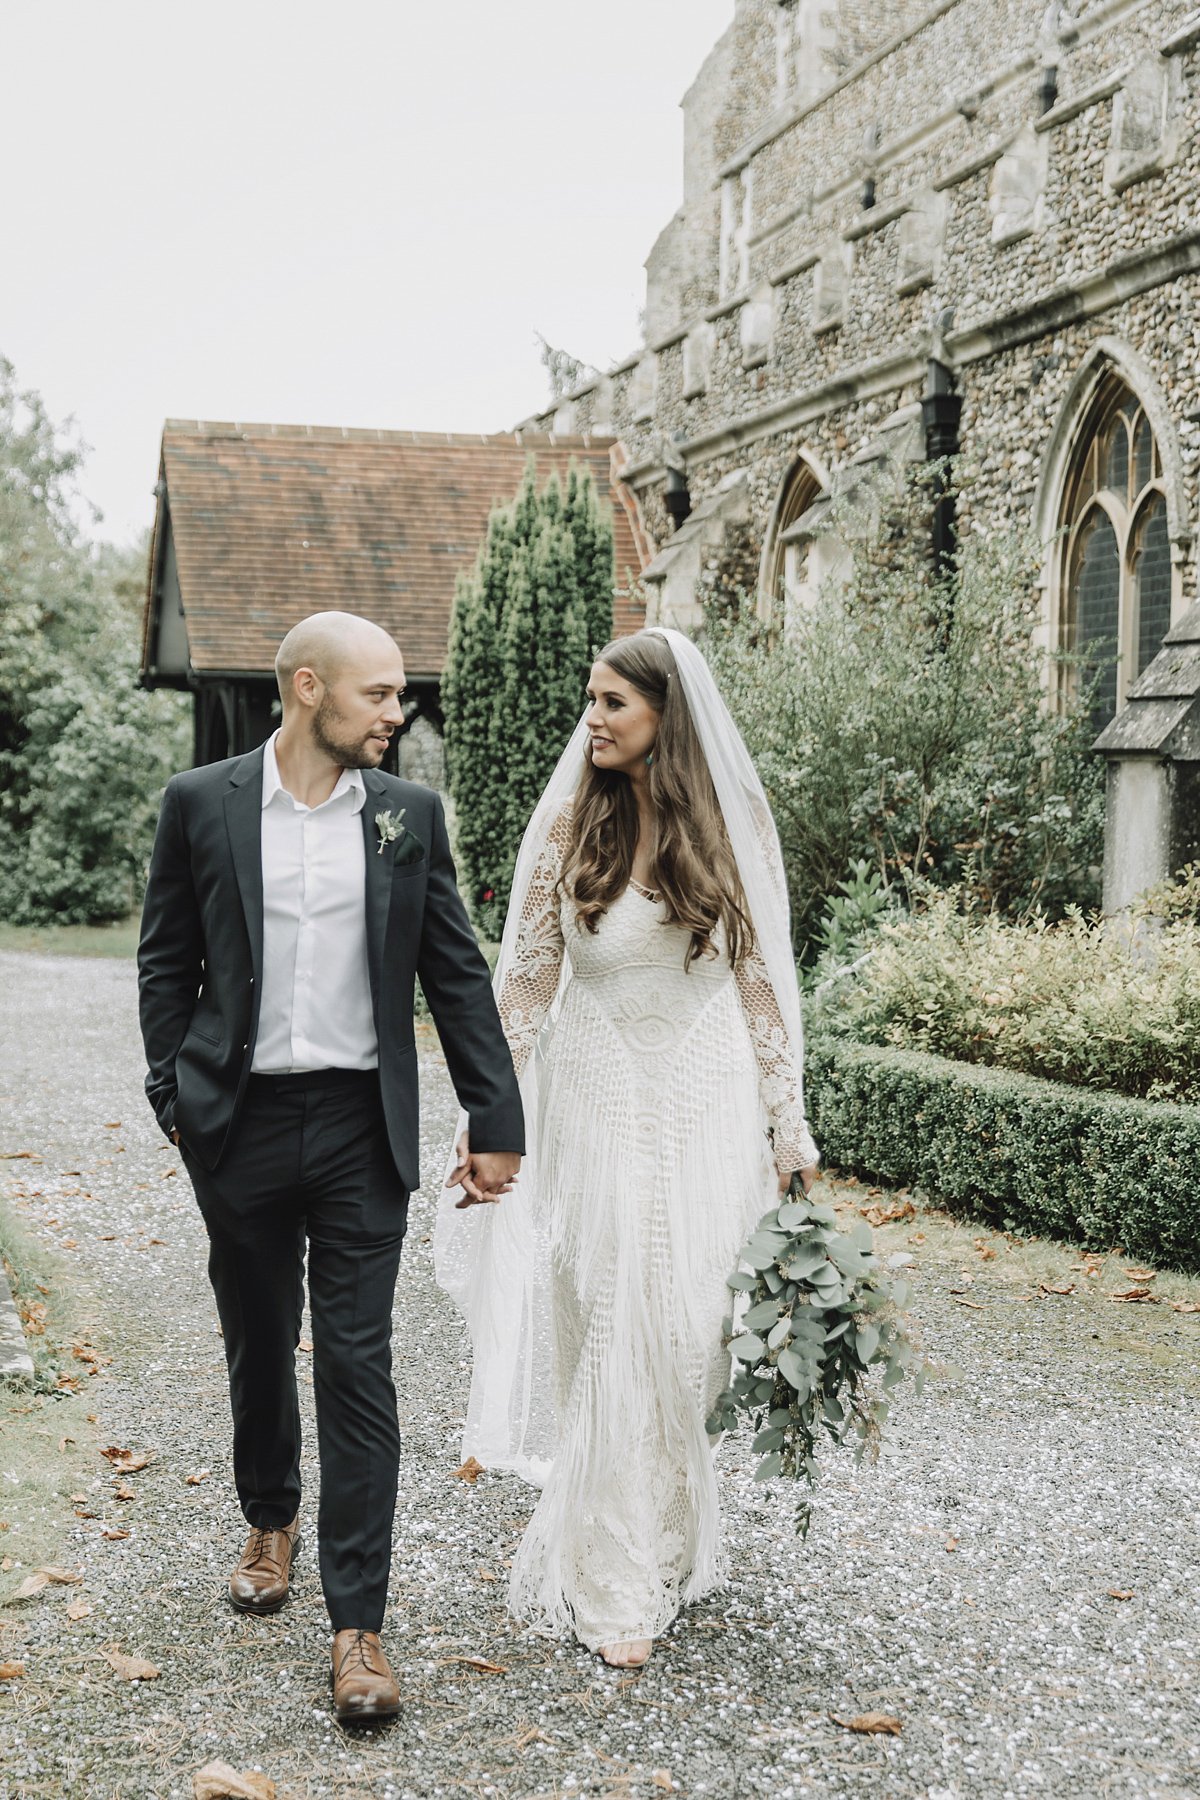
(327, 643)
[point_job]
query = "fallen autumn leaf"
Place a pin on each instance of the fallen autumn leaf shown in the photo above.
(199, 1476)
(470, 1470)
(479, 1663)
(1121, 1593)
(79, 1609)
(32, 1584)
(130, 1668)
(64, 1577)
(11, 1671)
(127, 1462)
(217, 1781)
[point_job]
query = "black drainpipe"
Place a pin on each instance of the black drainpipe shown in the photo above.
(677, 499)
(941, 410)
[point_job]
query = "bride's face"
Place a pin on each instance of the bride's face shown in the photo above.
(622, 723)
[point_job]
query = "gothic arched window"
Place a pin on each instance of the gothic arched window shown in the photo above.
(1116, 549)
(801, 489)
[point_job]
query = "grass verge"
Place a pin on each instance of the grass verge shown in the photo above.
(119, 939)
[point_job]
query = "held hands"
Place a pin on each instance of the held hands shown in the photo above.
(484, 1176)
(807, 1177)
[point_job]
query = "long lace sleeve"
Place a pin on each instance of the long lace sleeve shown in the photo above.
(531, 982)
(780, 1077)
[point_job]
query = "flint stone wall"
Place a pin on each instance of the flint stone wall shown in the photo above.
(1046, 233)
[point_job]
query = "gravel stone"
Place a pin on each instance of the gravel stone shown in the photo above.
(961, 1585)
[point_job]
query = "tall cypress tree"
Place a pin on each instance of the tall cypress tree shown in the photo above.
(524, 627)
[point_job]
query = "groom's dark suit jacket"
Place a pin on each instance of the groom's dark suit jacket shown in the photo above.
(200, 963)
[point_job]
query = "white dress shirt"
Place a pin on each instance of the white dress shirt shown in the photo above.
(316, 1010)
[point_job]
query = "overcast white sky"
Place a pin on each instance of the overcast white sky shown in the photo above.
(350, 213)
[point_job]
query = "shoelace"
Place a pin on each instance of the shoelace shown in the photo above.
(256, 1549)
(360, 1646)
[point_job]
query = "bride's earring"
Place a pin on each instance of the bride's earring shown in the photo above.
(650, 759)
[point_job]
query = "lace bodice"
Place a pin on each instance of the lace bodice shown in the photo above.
(636, 938)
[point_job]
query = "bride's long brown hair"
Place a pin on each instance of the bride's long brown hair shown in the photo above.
(693, 866)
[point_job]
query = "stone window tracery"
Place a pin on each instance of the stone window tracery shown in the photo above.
(802, 489)
(1117, 577)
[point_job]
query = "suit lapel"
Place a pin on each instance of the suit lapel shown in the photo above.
(243, 822)
(379, 877)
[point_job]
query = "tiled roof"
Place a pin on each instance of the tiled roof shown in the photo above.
(273, 522)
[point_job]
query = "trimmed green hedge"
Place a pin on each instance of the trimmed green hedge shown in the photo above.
(1032, 1155)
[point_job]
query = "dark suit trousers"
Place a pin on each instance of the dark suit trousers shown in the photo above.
(310, 1158)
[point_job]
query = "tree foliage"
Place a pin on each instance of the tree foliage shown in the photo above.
(903, 722)
(84, 752)
(526, 623)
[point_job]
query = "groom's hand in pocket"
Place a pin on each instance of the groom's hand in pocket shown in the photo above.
(484, 1176)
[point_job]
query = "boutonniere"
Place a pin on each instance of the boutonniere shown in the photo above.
(390, 830)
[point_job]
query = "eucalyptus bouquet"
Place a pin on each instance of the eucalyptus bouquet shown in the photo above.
(822, 1323)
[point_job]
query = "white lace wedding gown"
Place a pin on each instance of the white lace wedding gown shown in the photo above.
(654, 1162)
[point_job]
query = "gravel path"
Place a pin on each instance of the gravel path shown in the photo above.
(966, 1585)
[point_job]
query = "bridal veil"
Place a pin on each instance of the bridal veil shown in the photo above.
(492, 1259)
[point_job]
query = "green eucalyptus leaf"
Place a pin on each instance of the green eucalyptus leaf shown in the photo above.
(765, 1313)
(774, 1280)
(744, 1283)
(796, 1212)
(893, 1375)
(769, 1468)
(804, 1264)
(748, 1348)
(759, 1257)
(847, 1256)
(770, 1439)
(866, 1342)
(822, 1212)
(780, 1416)
(779, 1334)
(765, 1389)
(899, 1294)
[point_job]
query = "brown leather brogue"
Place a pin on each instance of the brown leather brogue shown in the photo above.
(259, 1584)
(363, 1684)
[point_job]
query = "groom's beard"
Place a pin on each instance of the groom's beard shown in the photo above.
(329, 732)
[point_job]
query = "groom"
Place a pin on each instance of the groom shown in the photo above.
(294, 894)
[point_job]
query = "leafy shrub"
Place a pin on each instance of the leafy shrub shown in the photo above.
(84, 752)
(522, 634)
(902, 723)
(1097, 1005)
(1030, 1155)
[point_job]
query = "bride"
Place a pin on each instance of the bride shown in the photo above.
(648, 993)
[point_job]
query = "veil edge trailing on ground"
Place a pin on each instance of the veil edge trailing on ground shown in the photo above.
(491, 1259)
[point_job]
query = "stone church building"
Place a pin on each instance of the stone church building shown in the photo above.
(912, 228)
